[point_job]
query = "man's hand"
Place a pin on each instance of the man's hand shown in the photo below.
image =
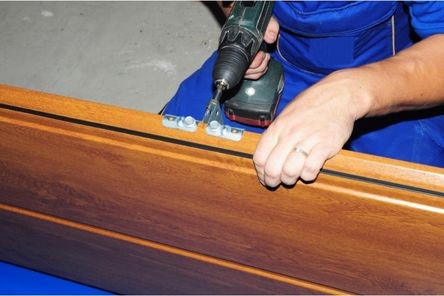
(311, 129)
(259, 65)
(315, 126)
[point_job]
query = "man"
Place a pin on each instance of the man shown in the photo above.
(367, 76)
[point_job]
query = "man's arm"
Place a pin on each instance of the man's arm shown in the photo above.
(320, 120)
(412, 79)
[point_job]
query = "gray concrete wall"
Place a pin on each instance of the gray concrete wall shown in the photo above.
(131, 54)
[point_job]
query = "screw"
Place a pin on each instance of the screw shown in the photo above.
(189, 121)
(214, 125)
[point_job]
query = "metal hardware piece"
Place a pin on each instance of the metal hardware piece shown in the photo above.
(214, 128)
(185, 123)
(213, 112)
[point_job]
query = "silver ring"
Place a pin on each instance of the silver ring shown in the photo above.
(301, 151)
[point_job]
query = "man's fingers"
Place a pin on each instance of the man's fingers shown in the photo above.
(287, 159)
(263, 149)
(258, 60)
(272, 31)
(284, 163)
(256, 71)
(314, 162)
(292, 169)
(259, 65)
(275, 162)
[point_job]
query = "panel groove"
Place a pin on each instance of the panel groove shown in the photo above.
(174, 250)
(215, 149)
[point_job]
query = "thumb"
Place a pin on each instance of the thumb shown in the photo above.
(272, 31)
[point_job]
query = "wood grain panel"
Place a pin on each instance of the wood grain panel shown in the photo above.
(373, 230)
(128, 265)
(356, 163)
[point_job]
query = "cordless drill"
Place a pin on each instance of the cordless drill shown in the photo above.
(254, 101)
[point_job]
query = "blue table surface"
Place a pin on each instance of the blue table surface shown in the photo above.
(18, 280)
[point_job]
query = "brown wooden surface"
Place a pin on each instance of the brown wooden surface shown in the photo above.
(347, 232)
(126, 264)
(351, 162)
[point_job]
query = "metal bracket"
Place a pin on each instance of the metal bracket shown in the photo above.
(185, 123)
(214, 128)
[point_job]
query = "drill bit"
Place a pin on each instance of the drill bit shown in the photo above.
(213, 111)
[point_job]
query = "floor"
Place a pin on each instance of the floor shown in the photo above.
(130, 54)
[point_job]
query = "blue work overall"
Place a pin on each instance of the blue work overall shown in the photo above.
(317, 38)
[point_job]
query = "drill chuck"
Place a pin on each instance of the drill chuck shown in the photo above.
(230, 66)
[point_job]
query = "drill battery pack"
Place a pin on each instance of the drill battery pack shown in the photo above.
(255, 101)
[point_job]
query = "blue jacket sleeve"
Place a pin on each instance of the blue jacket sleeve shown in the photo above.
(427, 17)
